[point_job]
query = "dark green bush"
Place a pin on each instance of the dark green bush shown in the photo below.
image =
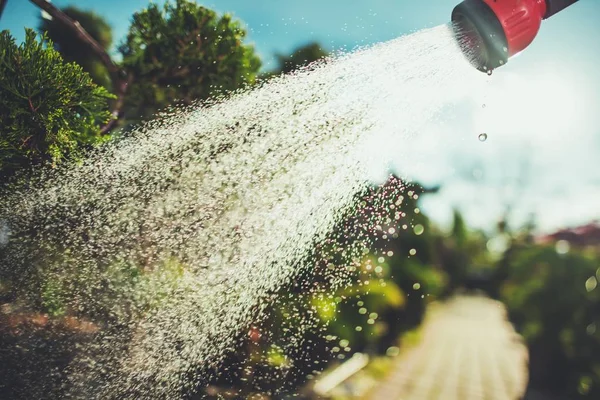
(49, 109)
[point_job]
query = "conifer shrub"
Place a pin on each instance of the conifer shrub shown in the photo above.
(50, 110)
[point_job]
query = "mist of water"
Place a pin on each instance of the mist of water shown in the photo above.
(167, 239)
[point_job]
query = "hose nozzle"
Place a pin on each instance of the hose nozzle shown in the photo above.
(489, 32)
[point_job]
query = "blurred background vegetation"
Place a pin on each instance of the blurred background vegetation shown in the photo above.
(184, 53)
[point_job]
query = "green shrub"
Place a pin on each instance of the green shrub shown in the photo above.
(553, 300)
(49, 109)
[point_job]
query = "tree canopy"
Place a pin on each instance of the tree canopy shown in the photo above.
(302, 56)
(183, 52)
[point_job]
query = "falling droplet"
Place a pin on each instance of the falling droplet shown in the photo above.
(591, 284)
(419, 229)
(483, 137)
(483, 106)
(489, 72)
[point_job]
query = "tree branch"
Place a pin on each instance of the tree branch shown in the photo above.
(119, 78)
(120, 90)
(2, 4)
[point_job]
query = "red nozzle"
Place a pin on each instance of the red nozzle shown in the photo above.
(520, 20)
(491, 31)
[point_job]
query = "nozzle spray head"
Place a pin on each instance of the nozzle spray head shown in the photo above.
(489, 32)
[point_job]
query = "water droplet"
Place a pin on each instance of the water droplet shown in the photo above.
(489, 72)
(392, 351)
(483, 106)
(483, 137)
(562, 247)
(4, 233)
(419, 229)
(591, 284)
(417, 286)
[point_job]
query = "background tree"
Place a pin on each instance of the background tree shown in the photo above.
(73, 48)
(302, 56)
(181, 53)
(49, 109)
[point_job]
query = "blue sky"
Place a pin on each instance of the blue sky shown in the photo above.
(277, 25)
(281, 25)
(544, 105)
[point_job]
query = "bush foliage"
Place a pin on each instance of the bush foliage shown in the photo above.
(49, 109)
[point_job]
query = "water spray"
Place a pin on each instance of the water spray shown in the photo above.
(491, 31)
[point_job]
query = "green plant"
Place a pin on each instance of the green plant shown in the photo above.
(182, 53)
(49, 110)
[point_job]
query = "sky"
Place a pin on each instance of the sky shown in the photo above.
(281, 25)
(543, 151)
(275, 25)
